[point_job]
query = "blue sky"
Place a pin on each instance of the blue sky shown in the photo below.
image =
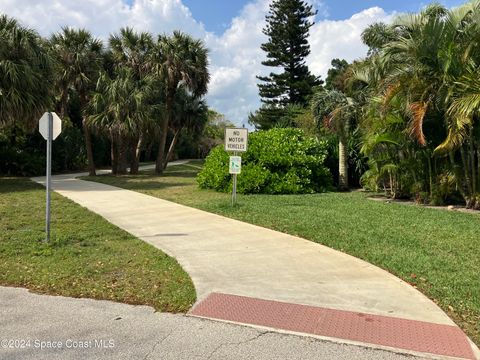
(340, 9)
(216, 15)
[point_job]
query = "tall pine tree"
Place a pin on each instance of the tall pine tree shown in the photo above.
(288, 25)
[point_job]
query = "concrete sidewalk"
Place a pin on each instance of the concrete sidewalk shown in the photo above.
(228, 256)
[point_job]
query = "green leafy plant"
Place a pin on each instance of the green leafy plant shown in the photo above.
(278, 161)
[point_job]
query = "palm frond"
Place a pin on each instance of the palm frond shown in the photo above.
(418, 111)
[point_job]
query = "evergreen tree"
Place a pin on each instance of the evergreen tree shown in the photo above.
(288, 25)
(337, 75)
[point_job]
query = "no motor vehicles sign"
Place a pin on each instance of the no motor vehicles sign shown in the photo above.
(236, 140)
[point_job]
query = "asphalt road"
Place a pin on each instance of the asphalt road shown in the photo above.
(41, 327)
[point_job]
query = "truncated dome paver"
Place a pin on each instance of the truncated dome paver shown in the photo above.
(424, 337)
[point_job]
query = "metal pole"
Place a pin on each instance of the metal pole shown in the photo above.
(49, 174)
(234, 192)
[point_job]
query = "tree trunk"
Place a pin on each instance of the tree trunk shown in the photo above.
(172, 148)
(163, 136)
(136, 156)
(468, 180)
(63, 104)
(342, 164)
(472, 163)
(393, 185)
(88, 146)
(430, 177)
(478, 167)
(114, 154)
(148, 151)
(457, 172)
(122, 155)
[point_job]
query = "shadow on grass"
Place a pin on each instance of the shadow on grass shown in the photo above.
(10, 185)
(132, 183)
(152, 185)
(181, 174)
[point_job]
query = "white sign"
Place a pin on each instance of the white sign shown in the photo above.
(43, 126)
(236, 140)
(235, 165)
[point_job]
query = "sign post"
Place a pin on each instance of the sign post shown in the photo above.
(235, 168)
(50, 126)
(236, 140)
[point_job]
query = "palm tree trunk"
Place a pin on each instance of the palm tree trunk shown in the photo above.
(458, 175)
(122, 155)
(342, 164)
(172, 147)
(89, 148)
(161, 149)
(478, 167)
(114, 154)
(148, 151)
(392, 185)
(430, 176)
(63, 103)
(472, 162)
(136, 156)
(159, 165)
(468, 180)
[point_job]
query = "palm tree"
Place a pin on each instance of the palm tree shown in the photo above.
(415, 69)
(25, 75)
(121, 107)
(132, 50)
(190, 114)
(78, 57)
(428, 64)
(439, 46)
(178, 59)
(335, 111)
(464, 131)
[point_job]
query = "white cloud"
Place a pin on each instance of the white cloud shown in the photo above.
(341, 39)
(235, 55)
(236, 61)
(164, 16)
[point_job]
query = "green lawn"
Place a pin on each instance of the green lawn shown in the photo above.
(437, 251)
(87, 258)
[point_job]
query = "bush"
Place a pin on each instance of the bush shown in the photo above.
(215, 172)
(24, 154)
(21, 154)
(278, 161)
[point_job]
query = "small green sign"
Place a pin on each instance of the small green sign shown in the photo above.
(235, 164)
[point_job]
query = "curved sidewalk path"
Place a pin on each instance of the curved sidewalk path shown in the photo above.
(225, 256)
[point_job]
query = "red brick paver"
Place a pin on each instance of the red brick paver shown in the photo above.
(397, 333)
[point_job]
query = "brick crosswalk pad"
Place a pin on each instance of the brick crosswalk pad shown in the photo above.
(418, 336)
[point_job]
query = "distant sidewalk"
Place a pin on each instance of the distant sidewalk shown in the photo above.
(231, 257)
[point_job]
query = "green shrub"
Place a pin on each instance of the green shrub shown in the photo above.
(215, 175)
(278, 161)
(252, 179)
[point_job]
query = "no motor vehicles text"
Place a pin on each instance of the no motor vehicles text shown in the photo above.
(236, 140)
(236, 146)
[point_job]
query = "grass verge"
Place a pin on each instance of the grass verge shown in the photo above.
(87, 257)
(436, 251)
